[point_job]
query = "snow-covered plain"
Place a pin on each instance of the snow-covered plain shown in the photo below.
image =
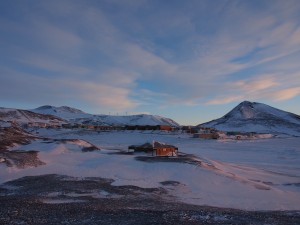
(262, 174)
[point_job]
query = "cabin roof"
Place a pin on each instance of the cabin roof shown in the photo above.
(161, 145)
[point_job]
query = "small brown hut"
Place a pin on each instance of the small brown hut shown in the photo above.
(160, 149)
(157, 149)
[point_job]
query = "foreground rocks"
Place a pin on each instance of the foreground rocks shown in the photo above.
(55, 199)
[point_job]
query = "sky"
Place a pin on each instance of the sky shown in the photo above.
(191, 61)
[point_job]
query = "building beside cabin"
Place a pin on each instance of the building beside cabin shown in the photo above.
(207, 133)
(165, 127)
(186, 129)
(149, 127)
(241, 135)
(91, 127)
(147, 147)
(104, 127)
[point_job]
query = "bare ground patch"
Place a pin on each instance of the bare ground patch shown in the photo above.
(14, 135)
(21, 159)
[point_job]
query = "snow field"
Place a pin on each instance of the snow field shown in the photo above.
(252, 175)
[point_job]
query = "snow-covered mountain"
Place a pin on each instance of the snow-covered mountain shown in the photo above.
(257, 117)
(21, 116)
(142, 119)
(64, 112)
(77, 116)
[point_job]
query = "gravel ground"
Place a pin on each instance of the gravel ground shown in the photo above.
(55, 199)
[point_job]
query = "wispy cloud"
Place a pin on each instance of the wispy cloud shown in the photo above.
(224, 100)
(284, 94)
(256, 85)
(101, 95)
(45, 90)
(51, 64)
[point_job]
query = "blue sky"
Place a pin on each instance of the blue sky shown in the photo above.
(191, 61)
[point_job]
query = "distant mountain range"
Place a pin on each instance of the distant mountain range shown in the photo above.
(246, 117)
(77, 116)
(257, 117)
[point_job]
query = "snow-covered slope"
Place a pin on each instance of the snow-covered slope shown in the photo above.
(24, 116)
(141, 119)
(257, 117)
(64, 112)
(78, 116)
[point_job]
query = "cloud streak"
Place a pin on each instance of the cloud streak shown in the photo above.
(285, 94)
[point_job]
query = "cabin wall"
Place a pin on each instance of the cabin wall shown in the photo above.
(166, 152)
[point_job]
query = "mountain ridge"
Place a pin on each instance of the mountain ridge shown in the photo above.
(245, 117)
(74, 115)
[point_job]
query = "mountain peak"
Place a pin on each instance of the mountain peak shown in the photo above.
(247, 103)
(44, 107)
(65, 112)
(70, 109)
(257, 117)
(48, 108)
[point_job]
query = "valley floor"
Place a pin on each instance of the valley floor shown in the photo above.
(211, 182)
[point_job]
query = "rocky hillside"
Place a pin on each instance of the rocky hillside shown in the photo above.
(21, 116)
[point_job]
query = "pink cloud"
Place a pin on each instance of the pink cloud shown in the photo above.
(224, 100)
(285, 94)
(103, 96)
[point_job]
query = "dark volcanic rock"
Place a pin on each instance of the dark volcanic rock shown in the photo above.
(55, 199)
